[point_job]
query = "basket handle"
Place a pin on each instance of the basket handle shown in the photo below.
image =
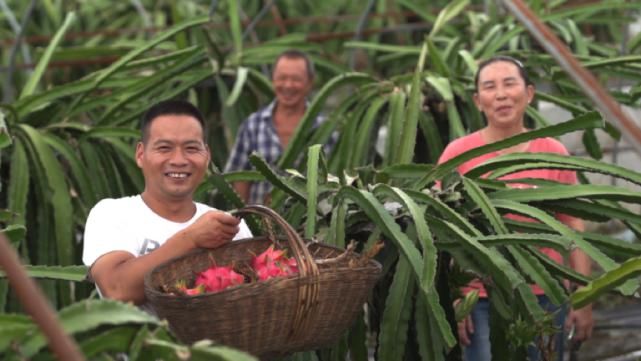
(308, 291)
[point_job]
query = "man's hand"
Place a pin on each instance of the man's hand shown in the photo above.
(465, 329)
(120, 275)
(213, 229)
(582, 321)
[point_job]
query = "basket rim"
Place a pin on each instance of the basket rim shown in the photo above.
(371, 263)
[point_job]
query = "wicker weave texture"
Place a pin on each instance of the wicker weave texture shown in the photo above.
(261, 317)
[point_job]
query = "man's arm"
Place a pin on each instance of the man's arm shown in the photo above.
(242, 188)
(120, 275)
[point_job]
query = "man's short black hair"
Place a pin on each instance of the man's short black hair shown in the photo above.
(502, 58)
(169, 107)
(297, 54)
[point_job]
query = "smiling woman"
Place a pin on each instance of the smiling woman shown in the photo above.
(503, 93)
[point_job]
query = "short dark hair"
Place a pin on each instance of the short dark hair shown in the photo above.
(297, 54)
(504, 58)
(169, 107)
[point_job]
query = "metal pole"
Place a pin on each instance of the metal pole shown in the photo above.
(36, 305)
(588, 83)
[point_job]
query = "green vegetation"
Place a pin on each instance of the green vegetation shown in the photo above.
(67, 136)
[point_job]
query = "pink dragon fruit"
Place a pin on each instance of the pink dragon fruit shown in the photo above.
(216, 279)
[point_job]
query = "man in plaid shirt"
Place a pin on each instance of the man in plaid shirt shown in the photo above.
(269, 130)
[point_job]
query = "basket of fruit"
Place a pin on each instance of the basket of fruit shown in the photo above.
(270, 296)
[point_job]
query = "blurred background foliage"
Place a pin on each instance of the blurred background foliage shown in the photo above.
(394, 80)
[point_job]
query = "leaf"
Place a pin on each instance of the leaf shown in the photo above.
(357, 340)
(629, 270)
(396, 315)
(277, 181)
(464, 308)
(442, 86)
(377, 213)
(580, 42)
(65, 273)
(5, 137)
(78, 170)
(522, 161)
(431, 134)
(448, 13)
(138, 342)
(235, 26)
(294, 148)
(482, 201)
(559, 243)
(558, 269)
(15, 233)
(439, 65)
(592, 211)
(312, 189)
(241, 79)
(14, 327)
(592, 119)
(597, 255)
(558, 192)
(456, 125)
(504, 274)
(88, 315)
(535, 270)
(147, 85)
(363, 141)
(57, 191)
(418, 9)
(591, 144)
(199, 351)
(496, 45)
(426, 240)
(396, 49)
(113, 68)
(589, 8)
(396, 121)
(430, 344)
(563, 103)
(446, 212)
(472, 66)
(222, 353)
(406, 152)
(30, 87)
(336, 234)
(527, 263)
(113, 340)
(19, 179)
(404, 171)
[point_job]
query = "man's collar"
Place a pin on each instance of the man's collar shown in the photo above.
(268, 111)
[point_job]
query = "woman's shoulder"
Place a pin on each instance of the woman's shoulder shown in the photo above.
(461, 145)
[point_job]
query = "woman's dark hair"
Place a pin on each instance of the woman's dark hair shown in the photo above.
(169, 107)
(496, 59)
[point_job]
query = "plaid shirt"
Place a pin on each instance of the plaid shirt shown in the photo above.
(257, 134)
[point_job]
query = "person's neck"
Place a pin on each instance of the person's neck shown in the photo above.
(179, 210)
(297, 110)
(494, 134)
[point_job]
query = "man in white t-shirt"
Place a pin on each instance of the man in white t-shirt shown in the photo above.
(127, 237)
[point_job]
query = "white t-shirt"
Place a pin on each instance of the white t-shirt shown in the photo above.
(127, 224)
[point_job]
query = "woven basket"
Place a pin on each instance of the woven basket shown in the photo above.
(269, 318)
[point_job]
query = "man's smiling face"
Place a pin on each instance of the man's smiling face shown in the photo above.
(291, 81)
(174, 157)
